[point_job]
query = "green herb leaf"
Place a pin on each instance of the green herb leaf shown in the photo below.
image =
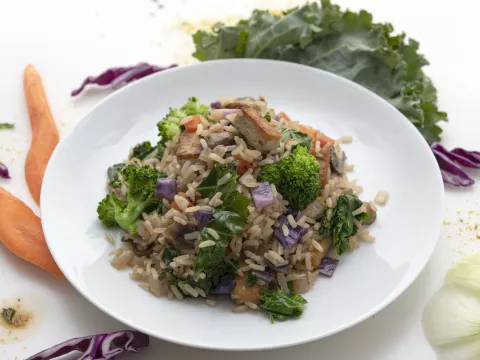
(346, 43)
(268, 117)
(113, 174)
(209, 186)
(342, 225)
(251, 280)
(300, 138)
(169, 253)
(280, 306)
(5, 126)
(8, 314)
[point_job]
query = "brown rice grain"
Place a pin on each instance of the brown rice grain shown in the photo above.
(109, 238)
(179, 220)
(203, 143)
(317, 245)
(358, 211)
(251, 305)
(211, 302)
(308, 261)
(372, 206)
(192, 209)
(176, 292)
(257, 267)
(239, 309)
(291, 221)
(283, 283)
(285, 230)
(213, 233)
(206, 243)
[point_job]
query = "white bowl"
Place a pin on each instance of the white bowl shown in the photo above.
(388, 153)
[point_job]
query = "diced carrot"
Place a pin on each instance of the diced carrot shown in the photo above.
(192, 125)
(284, 116)
(21, 232)
(311, 132)
(44, 131)
(248, 293)
(325, 140)
(242, 166)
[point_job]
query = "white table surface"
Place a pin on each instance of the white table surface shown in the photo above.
(67, 40)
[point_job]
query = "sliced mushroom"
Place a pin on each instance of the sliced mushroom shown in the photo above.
(140, 250)
(175, 234)
(373, 214)
(337, 159)
(220, 138)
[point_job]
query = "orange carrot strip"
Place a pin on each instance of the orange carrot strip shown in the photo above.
(21, 232)
(325, 140)
(44, 131)
(192, 125)
(284, 116)
(311, 132)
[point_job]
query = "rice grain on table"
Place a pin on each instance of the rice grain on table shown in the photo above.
(239, 309)
(381, 198)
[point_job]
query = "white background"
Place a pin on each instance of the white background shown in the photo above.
(68, 40)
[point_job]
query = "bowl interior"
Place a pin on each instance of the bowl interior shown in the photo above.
(388, 153)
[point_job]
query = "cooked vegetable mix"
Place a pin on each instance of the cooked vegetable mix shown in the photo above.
(235, 201)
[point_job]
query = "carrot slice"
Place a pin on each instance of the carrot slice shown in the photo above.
(21, 232)
(192, 125)
(311, 132)
(325, 140)
(284, 116)
(44, 131)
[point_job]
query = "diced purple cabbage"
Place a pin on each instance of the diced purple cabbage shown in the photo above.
(4, 171)
(281, 268)
(327, 266)
(166, 188)
(225, 286)
(276, 158)
(451, 172)
(294, 236)
(216, 105)
(262, 195)
(97, 347)
(263, 275)
(119, 76)
(203, 217)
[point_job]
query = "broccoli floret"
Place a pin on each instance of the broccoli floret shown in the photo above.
(144, 151)
(296, 177)
(167, 130)
(107, 209)
(193, 107)
(141, 182)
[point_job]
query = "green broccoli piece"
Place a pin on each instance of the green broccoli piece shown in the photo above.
(296, 177)
(107, 209)
(144, 151)
(193, 107)
(141, 183)
(167, 130)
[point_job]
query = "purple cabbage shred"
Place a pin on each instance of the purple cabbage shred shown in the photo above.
(117, 77)
(97, 347)
(4, 171)
(450, 161)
